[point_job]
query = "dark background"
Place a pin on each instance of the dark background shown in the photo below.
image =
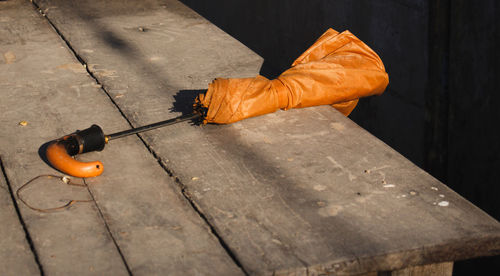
(441, 107)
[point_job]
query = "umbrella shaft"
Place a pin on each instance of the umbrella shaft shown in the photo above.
(152, 126)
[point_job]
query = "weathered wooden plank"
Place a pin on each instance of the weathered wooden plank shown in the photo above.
(296, 192)
(140, 208)
(40, 83)
(311, 185)
(16, 257)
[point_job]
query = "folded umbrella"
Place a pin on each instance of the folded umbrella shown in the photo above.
(336, 70)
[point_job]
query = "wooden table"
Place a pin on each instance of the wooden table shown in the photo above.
(301, 192)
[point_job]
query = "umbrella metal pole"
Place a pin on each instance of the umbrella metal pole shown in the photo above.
(152, 126)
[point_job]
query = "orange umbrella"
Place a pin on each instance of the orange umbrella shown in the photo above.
(337, 70)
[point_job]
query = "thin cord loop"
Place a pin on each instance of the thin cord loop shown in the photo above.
(64, 179)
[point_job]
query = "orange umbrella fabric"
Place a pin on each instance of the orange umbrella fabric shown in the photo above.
(336, 70)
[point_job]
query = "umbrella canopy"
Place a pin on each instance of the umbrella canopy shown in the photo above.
(336, 70)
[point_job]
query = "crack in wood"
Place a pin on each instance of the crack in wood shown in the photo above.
(72, 50)
(21, 219)
(108, 229)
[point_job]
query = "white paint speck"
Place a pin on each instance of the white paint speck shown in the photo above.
(330, 211)
(441, 195)
(434, 188)
(276, 241)
(389, 186)
(443, 203)
(319, 187)
(403, 195)
(154, 58)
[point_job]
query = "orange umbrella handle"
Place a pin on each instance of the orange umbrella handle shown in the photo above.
(58, 157)
(60, 151)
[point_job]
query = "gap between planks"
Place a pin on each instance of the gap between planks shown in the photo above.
(20, 217)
